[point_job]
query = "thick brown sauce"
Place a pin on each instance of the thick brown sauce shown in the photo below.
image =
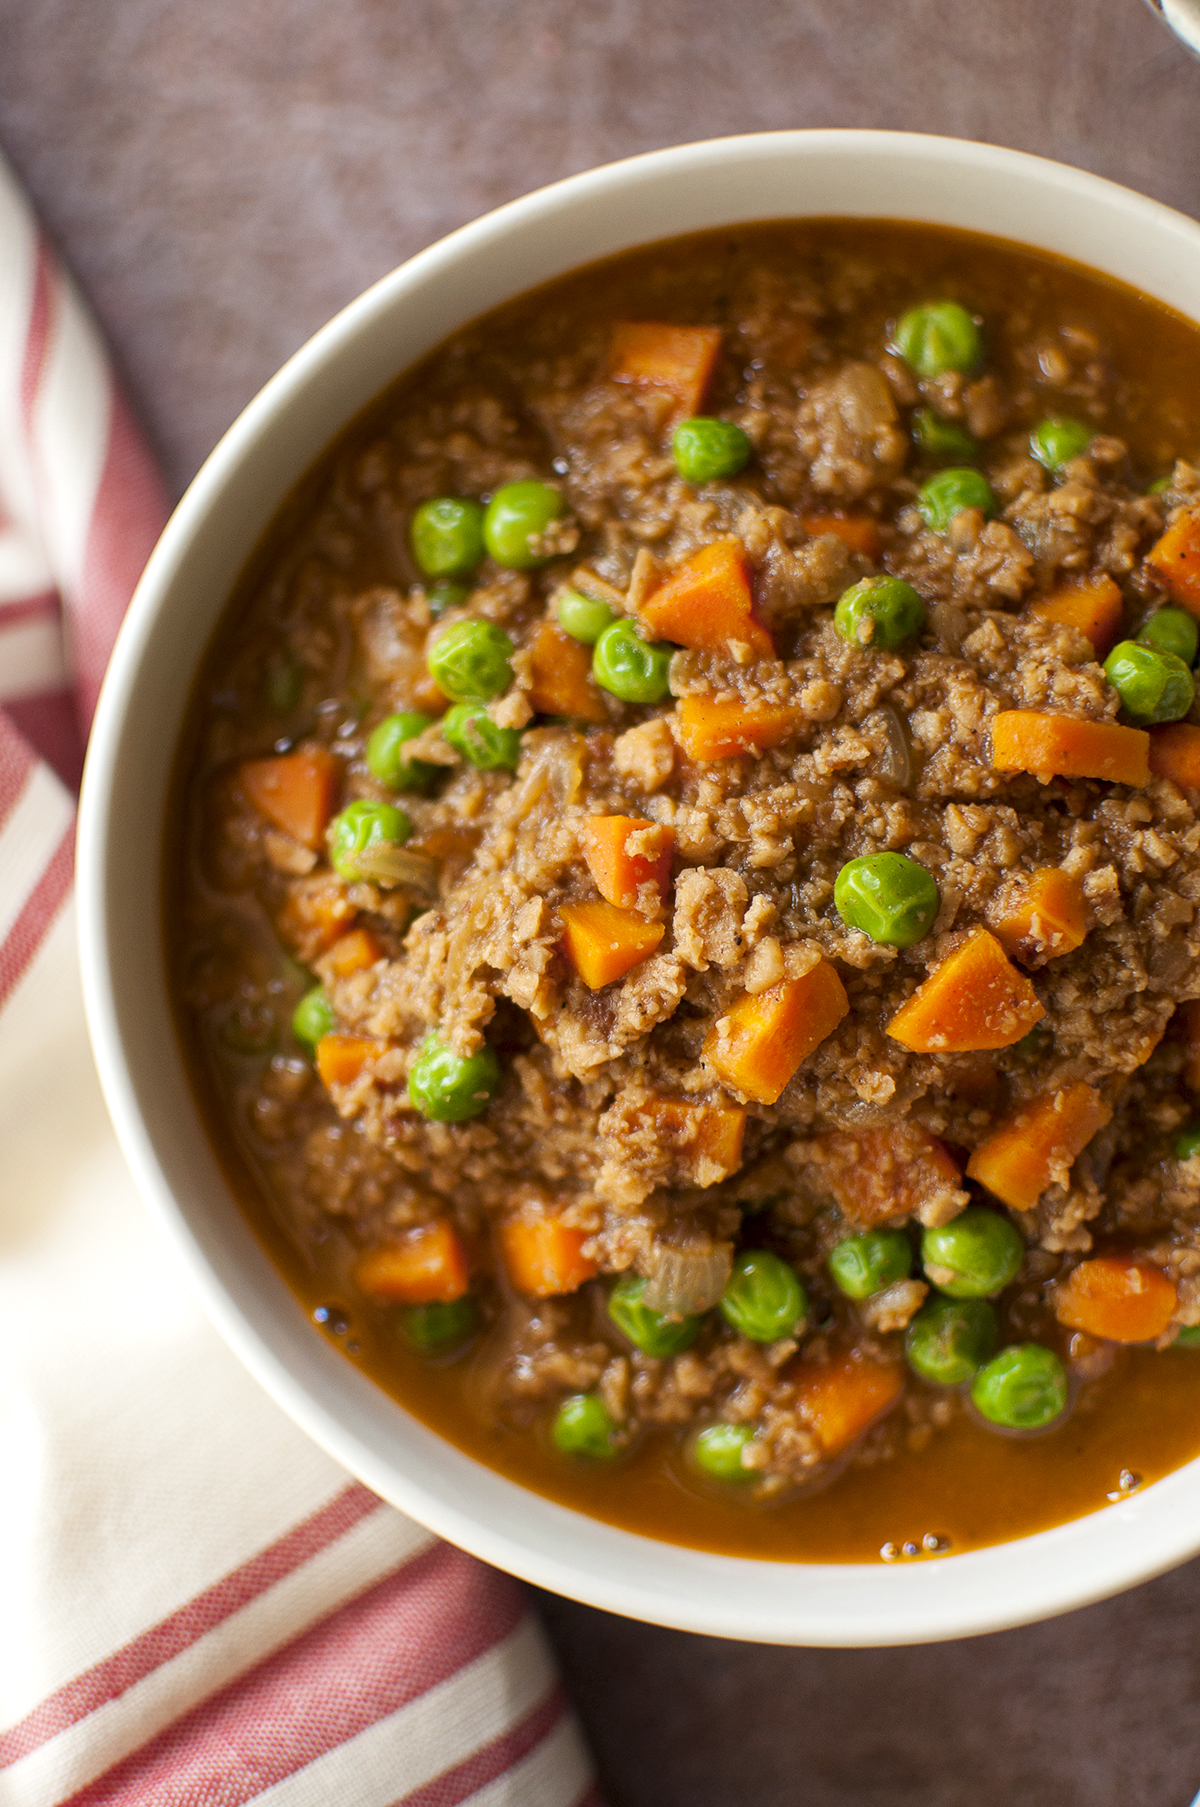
(969, 1485)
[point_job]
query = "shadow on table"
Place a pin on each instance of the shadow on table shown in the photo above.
(1096, 1709)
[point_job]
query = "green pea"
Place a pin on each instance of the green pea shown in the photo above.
(764, 1298)
(470, 730)
(1187, 1143)
(442, 597)
(1172, 631)
(1159, 485)
(283, 681)
(949, 1339)
(446, 536)
(628, 667)
(718, 1451)
(1057, 439)
(941, 438)
(652, 1333)
(1033, 1043)
(470, 661)
(947, 494)
(974, 1256)
(1023, 1387)
(706, 448)
(582, 1427)
(582, 616)
(862, 1265)
(385, 752)
(879, 611)
(360, 826)
(1153, 686)
(515, 515)
(449, 1087)
(313, 1017)
(937, 337)
(437, 1328)
(1188, 1337)
(888, 896)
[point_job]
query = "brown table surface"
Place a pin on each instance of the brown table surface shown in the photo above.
(223, 175)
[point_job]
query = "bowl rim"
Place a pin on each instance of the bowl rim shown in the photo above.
(550, 1545)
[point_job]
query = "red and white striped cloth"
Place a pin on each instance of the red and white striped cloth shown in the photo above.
(196, 1605)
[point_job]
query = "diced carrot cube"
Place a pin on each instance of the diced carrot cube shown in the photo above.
(544, 1256)
(975, 998)
(603, 943)
(706, 602)
(316, 912)
(1034, 1148)
(677, 358)
(1116, 1297)
(561, 670)
(1175, 754)
(354, 953)
(623, 854)
(860, 532)
(1176, 559)
(718, 730)
(1093, 605)
(758, 1046)
(1024, 740)
(878, 1174)
(1046, 917)
(709, 1133)
(427, 1266)
(839, 1399)
(341, 1058)
(296, 791)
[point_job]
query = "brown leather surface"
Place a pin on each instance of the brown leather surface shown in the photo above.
(223, 175)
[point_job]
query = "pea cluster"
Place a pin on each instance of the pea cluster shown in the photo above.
(950, 1341)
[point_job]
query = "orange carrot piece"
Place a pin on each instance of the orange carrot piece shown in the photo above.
(709, 1132)
(561, 671)
(877, 1174)
(296, 791)
(975, 998)
(1024, 740)
(860, 532)
(354, 953)
(341, 1058)
(623, 853)
(676, 358)
(1047, 917)
(1116, 1297)
(758, 1046)
(1093, 605)
(428, 1266)
(1176, 558)
(838, 1399)
(544, 1257)
(706, 602)
(719, 730)
(1175, 754)
(603, 943)
(1034, 1148)
(315, 914)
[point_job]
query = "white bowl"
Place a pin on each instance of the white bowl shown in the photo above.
(281, 433)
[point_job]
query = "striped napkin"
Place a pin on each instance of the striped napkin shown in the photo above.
(196, 1605)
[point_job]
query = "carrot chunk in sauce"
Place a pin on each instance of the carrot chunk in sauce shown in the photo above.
(603, 943)
(677, 358)
(1116, 1297)
(893, 1172)
(1035, 1147)
(561, 671)
(354, 953)
(544, 1256)
(710, 729)
(624, 853)
(839, 1399)
(706, 602)
(427, 1266)
(975, 998)
(1045, 917)
(757, 1047)
(1093, 605)
(296, 792)
(859, 532)
(1176, 559)
(1061, 746)
(341, 1058)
